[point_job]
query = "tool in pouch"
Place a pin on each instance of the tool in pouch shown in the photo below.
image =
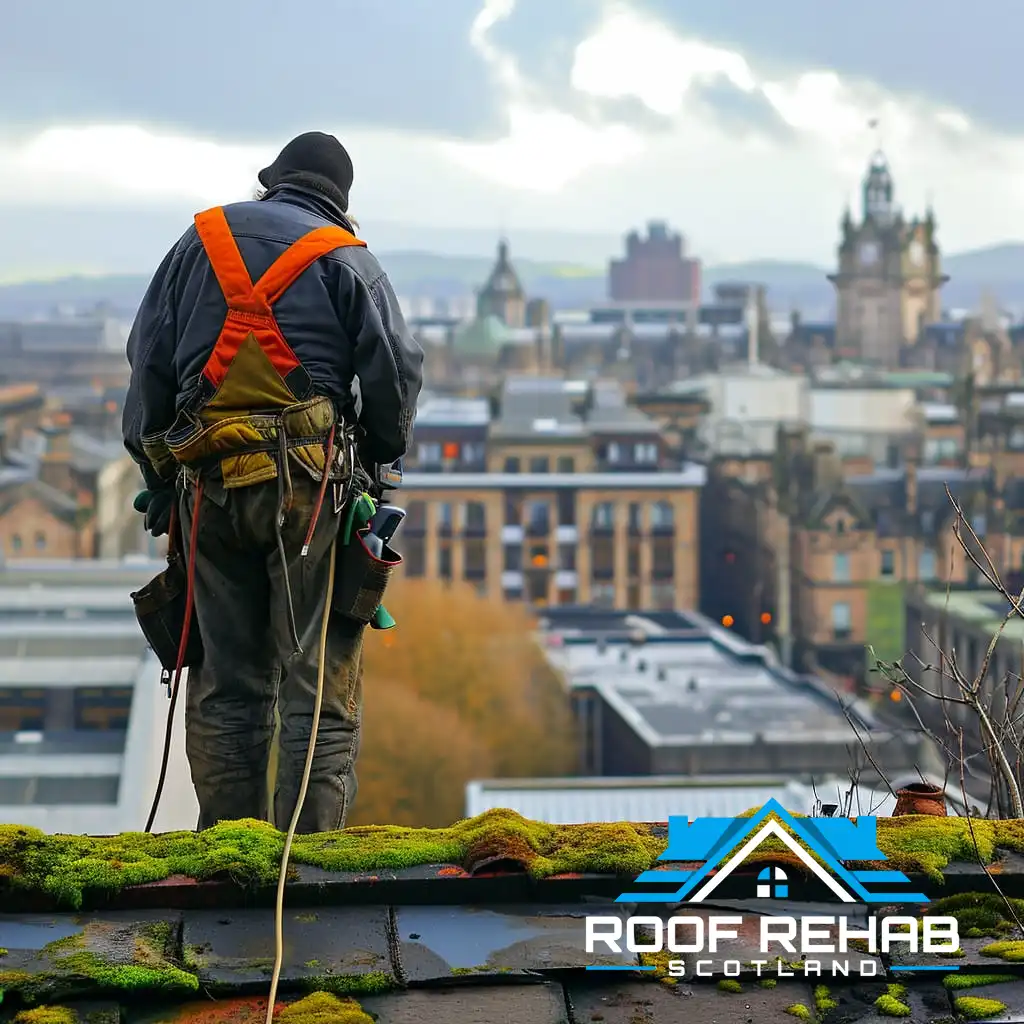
(162, 609)
(366, 561)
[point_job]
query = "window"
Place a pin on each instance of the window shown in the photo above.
(475, 566)
(444, 518)
(662, 516)
(513, 558)
(538, 518)
(841, 568)
(926, 565)
(978, 524)
(928, 520)
(645, 454)
(603, 516)
(540, 464)
(41, 542)
(888, 562)
(473, 452)
(842, 620)
(102, 708)
(16, 542)
(613, 453)
(566, 508)
(21, 709)
(512, 464)
(635, 518)
(539, 556)
(663, 559)
(566, 464)
(602, 559)
(476, 517)
(602, 595)
(429, 454)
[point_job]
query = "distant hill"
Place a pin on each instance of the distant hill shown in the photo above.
(999, 269)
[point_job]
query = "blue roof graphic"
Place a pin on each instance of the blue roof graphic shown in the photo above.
(832, 840)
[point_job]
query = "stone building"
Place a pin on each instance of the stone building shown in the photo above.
(889, 274)
(561, 493)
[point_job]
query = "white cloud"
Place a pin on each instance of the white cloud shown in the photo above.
(738, 193)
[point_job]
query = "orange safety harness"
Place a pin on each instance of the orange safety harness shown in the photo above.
(251, 388)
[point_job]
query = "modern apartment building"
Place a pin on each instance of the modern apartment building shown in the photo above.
(82, 711)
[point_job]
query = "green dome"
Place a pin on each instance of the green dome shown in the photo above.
(483, 336)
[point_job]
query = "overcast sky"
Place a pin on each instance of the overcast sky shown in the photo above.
(743, 123)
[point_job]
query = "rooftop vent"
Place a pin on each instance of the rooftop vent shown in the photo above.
(623, 655)
(691, 685)
(641, 665)
(662, 674)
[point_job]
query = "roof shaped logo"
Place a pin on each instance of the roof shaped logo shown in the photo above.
(823, 845)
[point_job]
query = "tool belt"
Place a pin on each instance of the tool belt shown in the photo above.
(248, 446)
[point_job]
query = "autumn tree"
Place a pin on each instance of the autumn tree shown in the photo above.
(459, 689)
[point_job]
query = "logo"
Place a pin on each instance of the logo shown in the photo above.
(718, 847)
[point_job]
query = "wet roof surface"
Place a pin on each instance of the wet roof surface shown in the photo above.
(504, 963)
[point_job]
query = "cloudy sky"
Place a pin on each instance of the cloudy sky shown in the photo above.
(745, 124)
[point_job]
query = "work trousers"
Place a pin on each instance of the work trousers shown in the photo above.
(250, 663)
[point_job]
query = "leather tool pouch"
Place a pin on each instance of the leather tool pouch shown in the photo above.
(160, 607)
(361, 578)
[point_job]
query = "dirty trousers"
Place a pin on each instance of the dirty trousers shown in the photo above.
(250, 664)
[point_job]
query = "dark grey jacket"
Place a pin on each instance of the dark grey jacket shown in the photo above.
(340, 317)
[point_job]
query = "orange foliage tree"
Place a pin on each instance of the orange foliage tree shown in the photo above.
(458, 690)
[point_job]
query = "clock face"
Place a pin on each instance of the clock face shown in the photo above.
(869, 253)
(916, 252)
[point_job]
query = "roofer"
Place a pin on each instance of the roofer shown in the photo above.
(243, 357)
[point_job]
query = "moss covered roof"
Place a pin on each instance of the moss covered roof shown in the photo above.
(394, 955)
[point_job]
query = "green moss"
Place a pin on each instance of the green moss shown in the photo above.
(660, 962)
(730, 985)
(249, 852)
(961, 982)
(3, 952)
(324, 1008)
(979, 913)
(976, 1008)
(799, 1011)
(373, 983)
(767, 983)
(74, 968)
(47, 1015)
(893, 1002)
(823, 1001)
(890, 1006)
(1012, 951)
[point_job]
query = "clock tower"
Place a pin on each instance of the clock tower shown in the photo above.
(889, 276)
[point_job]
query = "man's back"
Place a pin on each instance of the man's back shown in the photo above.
(240, 414)
(340, 317)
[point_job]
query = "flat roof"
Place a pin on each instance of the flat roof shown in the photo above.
(982, 607)
(680, 680)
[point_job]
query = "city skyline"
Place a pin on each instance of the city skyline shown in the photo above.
(592, 119)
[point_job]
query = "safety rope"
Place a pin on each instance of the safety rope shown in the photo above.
(303, 787)
(179, 667)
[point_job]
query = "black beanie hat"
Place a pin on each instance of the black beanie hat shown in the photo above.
(315, 160)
